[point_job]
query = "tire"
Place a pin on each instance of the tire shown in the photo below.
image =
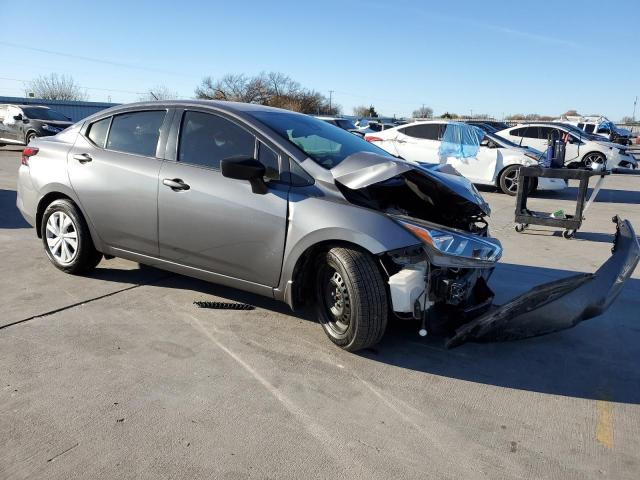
(30, 136)
(593, 157)
(508, 180)
(350, 298)
(64, 215)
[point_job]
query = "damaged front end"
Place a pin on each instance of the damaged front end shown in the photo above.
(560, 304)
(444, 280)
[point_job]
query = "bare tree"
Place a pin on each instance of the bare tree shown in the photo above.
(159, 92)
(423, 112)
(55, 87)
(361, 111)
(628, 120)
(570, 113)
(274, 89)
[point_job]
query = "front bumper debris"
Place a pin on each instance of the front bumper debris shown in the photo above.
(560, 304)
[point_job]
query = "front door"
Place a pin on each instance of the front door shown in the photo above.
(113, 168)
(215, 223)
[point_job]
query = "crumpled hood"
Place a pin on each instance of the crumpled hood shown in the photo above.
(363, 169)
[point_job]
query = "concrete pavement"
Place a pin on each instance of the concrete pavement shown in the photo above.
(119, 375)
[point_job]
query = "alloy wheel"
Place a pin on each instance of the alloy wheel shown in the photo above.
(511, 180)
(62, 237)
(592, 158)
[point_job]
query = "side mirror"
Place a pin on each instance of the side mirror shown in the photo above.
(17, 117)
(244, 168)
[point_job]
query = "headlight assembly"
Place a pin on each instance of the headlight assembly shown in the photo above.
(453, 248)
(50, 128)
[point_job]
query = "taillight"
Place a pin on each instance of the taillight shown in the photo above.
(371, 138)
(26, 153)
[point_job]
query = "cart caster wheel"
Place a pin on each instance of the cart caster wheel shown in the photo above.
(568, 234)
(520, 227)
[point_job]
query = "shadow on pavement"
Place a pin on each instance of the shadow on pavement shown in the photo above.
(10, 216)
(596, 360)
(605, 195)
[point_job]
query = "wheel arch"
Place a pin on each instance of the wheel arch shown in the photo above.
(297, 286)
(59, 193)
(28, 132)
(591, 152)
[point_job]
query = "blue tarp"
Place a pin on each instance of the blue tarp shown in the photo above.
(607, 125)
(460, 140)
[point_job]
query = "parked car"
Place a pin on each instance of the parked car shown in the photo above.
(497, 162)
(343, 123)
(602, 126)
(19, 124)
(484, 126)
(287, 206)
(582, 149)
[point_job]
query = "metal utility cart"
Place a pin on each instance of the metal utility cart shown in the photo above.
(571, 223)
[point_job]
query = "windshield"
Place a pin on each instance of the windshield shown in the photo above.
(326, 144)
(43, 114)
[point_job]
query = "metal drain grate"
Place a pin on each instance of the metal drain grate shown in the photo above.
(224, 305)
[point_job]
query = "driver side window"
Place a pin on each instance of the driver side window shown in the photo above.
(205, 139)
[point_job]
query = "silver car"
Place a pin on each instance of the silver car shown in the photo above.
(287, 206)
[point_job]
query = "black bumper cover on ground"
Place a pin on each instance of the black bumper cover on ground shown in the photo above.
(560, 304)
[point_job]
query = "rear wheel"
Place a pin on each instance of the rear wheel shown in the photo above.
(351, 298)
(66, 238)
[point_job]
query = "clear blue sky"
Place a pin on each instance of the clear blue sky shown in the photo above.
(487, 56)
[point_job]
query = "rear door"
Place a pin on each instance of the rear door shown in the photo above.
(216, 223)
(113, 168)
(419, 143)
(530, 136)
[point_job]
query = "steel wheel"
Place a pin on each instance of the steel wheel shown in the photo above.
(62, 237)
(337, 302)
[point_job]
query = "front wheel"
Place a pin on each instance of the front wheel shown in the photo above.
(593, 160)
(508, 180)
(350, 298)
(30, 136)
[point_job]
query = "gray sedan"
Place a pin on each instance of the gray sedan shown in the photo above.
(285, 205)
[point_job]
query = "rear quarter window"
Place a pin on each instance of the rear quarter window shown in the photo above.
(97, 131)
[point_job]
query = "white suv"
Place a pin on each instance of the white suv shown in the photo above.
(582, 148)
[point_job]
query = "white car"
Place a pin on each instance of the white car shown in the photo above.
(582, 149)
(497, 162)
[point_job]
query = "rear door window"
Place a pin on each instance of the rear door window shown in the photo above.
(136, 132)
(426, 131)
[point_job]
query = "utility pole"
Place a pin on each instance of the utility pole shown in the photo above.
(330, 97)
(635, 102)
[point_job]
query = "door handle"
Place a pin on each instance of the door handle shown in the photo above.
(175, 184)
(82, 157)
(398, 140)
